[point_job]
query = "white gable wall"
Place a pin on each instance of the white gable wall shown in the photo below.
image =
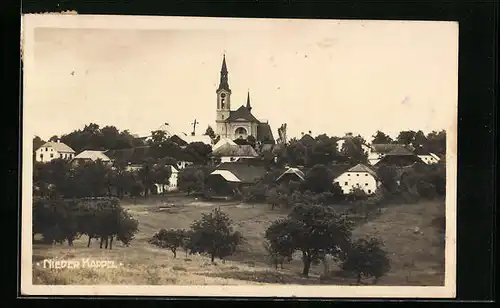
(46, 154)
(363, 180)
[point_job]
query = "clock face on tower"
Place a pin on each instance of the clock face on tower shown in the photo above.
(223, 95)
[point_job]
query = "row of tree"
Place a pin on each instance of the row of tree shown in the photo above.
(63, 220)
(59, 178)
(313, 230)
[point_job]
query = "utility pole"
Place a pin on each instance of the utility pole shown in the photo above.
(194, 127)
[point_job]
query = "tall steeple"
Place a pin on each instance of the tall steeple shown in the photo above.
(249, 107)
(223, 85)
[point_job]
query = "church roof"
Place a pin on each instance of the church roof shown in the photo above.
(242, 113)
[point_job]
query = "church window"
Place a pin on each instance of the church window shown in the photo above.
(222, 103)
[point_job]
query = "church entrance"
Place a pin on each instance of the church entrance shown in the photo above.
(240, 133)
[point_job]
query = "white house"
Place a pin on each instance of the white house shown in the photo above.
(53, 150)
(172, 182)
(429, 158)
(358, 176)
(91, 155)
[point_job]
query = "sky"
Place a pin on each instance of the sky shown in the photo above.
(321, 76)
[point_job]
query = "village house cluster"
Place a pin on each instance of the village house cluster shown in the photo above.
(241, 164)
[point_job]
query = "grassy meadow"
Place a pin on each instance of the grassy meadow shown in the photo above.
(412, 240)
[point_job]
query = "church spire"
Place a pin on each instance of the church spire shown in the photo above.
(249, 107)
(223, 85)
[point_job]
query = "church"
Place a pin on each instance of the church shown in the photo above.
(239, 123)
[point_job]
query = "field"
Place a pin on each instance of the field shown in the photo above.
(417, 255)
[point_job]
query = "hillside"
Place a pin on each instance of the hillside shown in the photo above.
(145, 264)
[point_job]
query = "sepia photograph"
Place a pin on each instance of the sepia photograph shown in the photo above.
(179, 156)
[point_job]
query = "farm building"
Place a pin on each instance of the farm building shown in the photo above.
(359, 176)
(378, 150)
(291, 174)
(399, 156)
(53, 150)
(228, 178)
(90, 156)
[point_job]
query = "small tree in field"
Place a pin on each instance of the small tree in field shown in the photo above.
(171, 239)
(213, 235)
(366, 258)
(315, 230)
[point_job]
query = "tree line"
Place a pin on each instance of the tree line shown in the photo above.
(60, 220)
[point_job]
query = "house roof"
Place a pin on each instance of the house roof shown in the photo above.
(92, 155)
(338, 169)
(235, 150)
(264, 133)
(222, 142)
(241, 113)
(387, 147)
(398, 151)
(306, 139)
(299, 173)
(227, 175)
(362, 168)
(191, 139)
(58, 146)
(246, 173)
(135, 155)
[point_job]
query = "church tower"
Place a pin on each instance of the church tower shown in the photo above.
(223, 101)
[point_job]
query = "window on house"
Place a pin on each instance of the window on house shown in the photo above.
(41, 156)
(369, 191)
(51, 155)
(345, 184)
(366, 174)
(46, 149)
(366, 184)
(60, 155)
(348, 174)
(357, 174)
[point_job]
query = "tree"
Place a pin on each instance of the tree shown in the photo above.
(406, 137)
(213, 235)
(381, 137)
(352, 149)
(199, 151)
(419, 142)
(210, 132)
(171, 239)
(37, 143)
(191, 180)
(366, 258)
(314, 230)
(158, 136)
(147, 175)
(252, 141)
(319, 179)
(436, 142)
